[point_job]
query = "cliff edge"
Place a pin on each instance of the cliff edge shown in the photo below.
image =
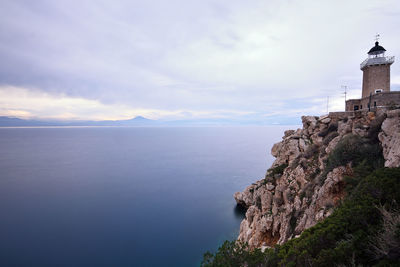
(308, 177)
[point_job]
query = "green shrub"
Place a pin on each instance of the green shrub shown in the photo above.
(349, 228)
(277, 170)
(341, 239)
(375, 127)
(233, 253)
(268, 179)
(331, 128)
(258, 203)
(329, 138)
(355, 149)
(386, 243)
(359, 172)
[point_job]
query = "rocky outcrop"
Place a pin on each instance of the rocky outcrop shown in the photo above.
(390, 138)
(299, 190)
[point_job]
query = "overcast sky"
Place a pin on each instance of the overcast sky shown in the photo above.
(187, 59)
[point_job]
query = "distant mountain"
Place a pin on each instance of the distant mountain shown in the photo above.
(139, 120)
(11, 122)
(16, 122)
(142, 121)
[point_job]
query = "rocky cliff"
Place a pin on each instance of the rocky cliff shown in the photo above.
(305, 182)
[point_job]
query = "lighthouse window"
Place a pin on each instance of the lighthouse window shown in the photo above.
(378, 91)
(374, 103)
(355, 107)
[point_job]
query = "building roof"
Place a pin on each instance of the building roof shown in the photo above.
(377, 49)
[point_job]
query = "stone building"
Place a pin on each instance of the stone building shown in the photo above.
(376, 82)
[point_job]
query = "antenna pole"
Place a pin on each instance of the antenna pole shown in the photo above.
(377, 36)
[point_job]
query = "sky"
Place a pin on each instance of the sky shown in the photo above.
(185, 59)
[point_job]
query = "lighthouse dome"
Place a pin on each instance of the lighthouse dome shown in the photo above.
(376, 50)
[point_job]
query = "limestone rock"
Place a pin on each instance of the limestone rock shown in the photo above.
(345, 127)
(283, 206)
(288, 133)
(323, 117)
(326, 120)
(332, 144)
(390, 138)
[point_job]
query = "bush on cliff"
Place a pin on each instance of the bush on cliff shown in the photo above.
(386, 243)
(346, 235)
(332, 128)
(278, 170)
(344, 238)
(354, 149)
(327, 139)
(233, 253)
(375, 127)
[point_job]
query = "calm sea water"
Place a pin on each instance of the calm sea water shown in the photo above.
(124, 196)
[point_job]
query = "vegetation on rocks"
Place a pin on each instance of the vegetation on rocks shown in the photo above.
(277, 170)
(355, 234)
(331, 128)
(335, 205)
(354, 149)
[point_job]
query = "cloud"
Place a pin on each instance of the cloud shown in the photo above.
(32, 103)
(200, 57)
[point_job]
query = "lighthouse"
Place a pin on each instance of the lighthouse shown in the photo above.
(376, 71)
(376, 92)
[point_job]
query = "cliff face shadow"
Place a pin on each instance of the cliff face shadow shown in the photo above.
(239, 212)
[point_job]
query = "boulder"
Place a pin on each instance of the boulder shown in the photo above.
(390, 138)
(326, 120)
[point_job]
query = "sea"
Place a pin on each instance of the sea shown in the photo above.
(125, 196)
